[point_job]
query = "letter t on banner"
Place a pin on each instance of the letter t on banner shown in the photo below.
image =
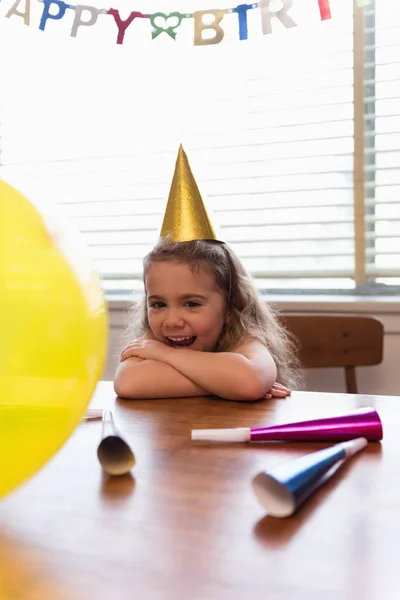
(241, 11)
(267, 15)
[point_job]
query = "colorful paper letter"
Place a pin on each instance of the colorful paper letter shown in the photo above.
(25, 15)
(123, 25)
(62, 7)
(78, 21)
(200, 26)
(241, 10)
(282, 14)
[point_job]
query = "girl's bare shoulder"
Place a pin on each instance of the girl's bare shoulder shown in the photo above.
(251, 347)
(259, 356)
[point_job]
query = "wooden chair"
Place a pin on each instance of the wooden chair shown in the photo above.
(333, 340)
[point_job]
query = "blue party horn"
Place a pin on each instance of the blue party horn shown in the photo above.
(283, 489)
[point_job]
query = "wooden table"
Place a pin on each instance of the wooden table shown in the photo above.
(186, 524)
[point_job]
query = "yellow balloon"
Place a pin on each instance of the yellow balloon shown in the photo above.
(53, 336)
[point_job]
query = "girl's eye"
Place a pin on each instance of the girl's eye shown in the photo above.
(192, 304)
(157, 304)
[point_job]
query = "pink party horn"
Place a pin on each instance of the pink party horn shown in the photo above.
(283, 489)
(363, 422)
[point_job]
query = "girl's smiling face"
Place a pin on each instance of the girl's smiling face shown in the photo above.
(184, 305)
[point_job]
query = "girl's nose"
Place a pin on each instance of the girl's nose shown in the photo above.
(173, 318)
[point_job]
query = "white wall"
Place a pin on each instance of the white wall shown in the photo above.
(382, 379)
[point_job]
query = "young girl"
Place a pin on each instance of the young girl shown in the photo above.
(203, 329)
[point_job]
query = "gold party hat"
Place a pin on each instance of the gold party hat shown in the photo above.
(186, 217)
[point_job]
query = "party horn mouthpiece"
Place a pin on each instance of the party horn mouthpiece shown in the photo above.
(93, 413)
(286, 487)
(363, 422)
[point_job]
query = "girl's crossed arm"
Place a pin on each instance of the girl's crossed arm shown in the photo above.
(138, 378)
(247, 373)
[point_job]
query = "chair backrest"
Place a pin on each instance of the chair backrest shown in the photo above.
(337, 340)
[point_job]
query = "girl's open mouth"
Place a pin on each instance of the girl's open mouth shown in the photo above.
(182, 341)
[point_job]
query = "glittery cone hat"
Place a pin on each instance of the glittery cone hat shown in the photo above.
(186, 217)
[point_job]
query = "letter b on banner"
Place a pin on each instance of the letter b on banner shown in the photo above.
(200, 26)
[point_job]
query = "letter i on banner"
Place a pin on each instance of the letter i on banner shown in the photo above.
(26, 15)
(282, 14)
(324, 9)
(62, 7)
(200, 26)
(78, 21)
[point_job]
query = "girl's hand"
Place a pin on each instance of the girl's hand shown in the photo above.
(146, 350)
(277, 391)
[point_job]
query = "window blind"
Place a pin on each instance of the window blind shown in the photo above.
(382, 141)
(293, 139)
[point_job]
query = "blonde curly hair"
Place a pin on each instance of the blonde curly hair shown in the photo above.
(249, 313)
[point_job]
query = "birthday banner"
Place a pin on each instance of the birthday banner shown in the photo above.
(208, 21)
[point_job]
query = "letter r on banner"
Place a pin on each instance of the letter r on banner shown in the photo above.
(281, 13)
